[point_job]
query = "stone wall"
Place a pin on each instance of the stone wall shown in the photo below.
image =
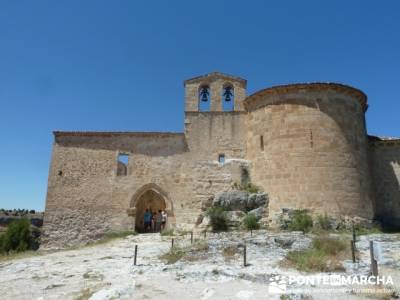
(304, 144)
(86, 197)
(314, 152)
(385, 160)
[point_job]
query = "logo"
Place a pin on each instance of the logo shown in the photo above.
(281, 284)
(277, 284)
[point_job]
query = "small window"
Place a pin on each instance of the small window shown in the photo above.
(123, 160)
(204, 98)
(262, 142)
(221, 158)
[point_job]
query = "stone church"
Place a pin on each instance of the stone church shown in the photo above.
(306, 145)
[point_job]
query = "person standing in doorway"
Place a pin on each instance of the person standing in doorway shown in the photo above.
(163, 219)
(158, 221)
(147, 220)
(153, 221)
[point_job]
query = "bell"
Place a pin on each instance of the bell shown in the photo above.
(228, 94)
(204, 94)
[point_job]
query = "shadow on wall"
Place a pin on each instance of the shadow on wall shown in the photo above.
(386, 174)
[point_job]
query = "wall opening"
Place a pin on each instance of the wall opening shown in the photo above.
(204, 98)
(228, 98)
(262, 142)
(153, 203)
(221, 158)
(123, 161)
(244, 176)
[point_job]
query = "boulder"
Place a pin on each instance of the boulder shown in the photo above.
(284, 242)
(256, 200)
(258, 212)
(232, 200)
(240, 200)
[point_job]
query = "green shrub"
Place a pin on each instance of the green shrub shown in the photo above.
(18, 236)
(250, 222)
(308, 260)
(324, 222)
(247, 187)
(1, 242)
(167, 232)
(329, 245)
(325, 254)
(218, 219)
(300, 221)
(364, 230)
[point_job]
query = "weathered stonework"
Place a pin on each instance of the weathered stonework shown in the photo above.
(385, 162)
(315, 149)
(305, 145)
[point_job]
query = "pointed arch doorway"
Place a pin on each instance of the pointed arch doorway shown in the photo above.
(153, 198)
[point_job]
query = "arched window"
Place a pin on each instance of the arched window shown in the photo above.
(228, 98)
(204, 98)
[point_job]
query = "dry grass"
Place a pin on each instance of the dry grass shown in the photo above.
(19, 255)
(85, 294)
(325, 255)
(106, 238)
(194, 252)
(229, 252)
(173, 255)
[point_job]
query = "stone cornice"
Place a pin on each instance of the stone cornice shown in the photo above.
(214, 75)
(300, 87)
(115, 133)
(223, 113)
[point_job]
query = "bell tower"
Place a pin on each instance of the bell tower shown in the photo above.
(220, 92)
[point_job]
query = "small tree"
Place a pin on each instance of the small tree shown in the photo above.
(324, 222)
(301, 221)
(218, 218)
(17, 237)
(250, 222)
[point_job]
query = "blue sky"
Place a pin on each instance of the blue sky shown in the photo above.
(119, 65)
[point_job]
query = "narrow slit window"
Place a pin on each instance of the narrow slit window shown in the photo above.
(262, 142)
(123, 160)
(221, 158)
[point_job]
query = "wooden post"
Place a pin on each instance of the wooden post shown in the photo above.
(251, 232)
(353, 250)
(354, 232)
(191, 237)
(374, 263)
(172, 243)
(244, 255)
(135, 257)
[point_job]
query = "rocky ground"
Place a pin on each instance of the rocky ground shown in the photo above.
(216, 271)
